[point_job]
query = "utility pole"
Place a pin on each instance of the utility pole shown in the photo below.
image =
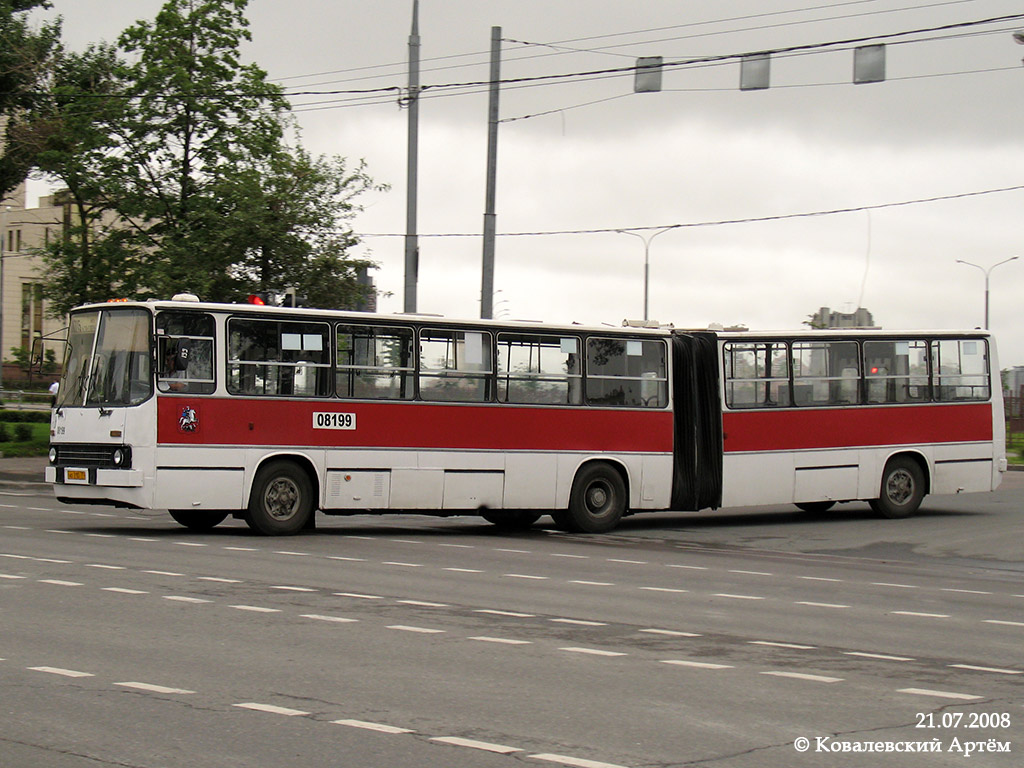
(412, 249)
(490, 217)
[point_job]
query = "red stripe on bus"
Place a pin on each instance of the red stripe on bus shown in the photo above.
(793, 430)
(249, 422)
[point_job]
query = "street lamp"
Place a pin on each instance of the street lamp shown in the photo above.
(647, 258)
(987, 273)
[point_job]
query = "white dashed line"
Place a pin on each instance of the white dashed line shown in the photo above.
(62, 672)
(575, 557)
(420, 630)
(882, 656)
(821, 605)
(515, 551)
(379, 727)
(988, 669)
(164, 573)
(271, 709)
(575, 762)
(687, 567)
(423, 604)
(752, 573)
(626, 562)
(255, 608)
(525, 576)
(191, 544)
(965, 591)
(143, 539)
(106, 567)
(61, 582)
(921, 615)
(581, 622)
(124, 591)
(502, 640)
(294, 589)
(458, 546)
(1004, 623)
(695, 664)
(464, 570)
(11, 576)
(403, 565)
(495, 612)
(358, 596)
(670, 632)
(220, 580)
(794, 646)
(154, 688)
(820, 578)
(592, 651)
(896, 586)
(457, 741)
(939, 694)
(184, 599)
(347, 559)
(666, 589)
(592, 583)
(321, 617)
(738, 597)
(241, 549)
(292, 554)
(804, 676)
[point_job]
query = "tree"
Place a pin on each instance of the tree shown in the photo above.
(187, 180)
(25, 58)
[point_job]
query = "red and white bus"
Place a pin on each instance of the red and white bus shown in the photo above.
(270, 414)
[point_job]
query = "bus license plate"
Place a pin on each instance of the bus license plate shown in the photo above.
(333, 420)
(76, 476)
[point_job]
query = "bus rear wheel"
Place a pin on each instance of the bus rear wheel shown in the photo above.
(281, 502)
(902, 489)
(196, 520)
(597, 501)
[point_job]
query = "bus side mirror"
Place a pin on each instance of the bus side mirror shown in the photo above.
(181, 357)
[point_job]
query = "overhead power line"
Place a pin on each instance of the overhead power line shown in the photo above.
(723, 222)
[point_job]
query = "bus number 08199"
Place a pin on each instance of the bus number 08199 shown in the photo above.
(324, 420)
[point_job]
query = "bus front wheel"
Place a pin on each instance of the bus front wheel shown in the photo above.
(902, 489)
(597, 501)
(281, 502)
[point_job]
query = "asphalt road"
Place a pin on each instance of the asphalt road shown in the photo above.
(724, 639)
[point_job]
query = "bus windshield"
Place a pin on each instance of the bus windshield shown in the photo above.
(108, 359)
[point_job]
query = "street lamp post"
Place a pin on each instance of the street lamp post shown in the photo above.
(647, 259)
(987, 272)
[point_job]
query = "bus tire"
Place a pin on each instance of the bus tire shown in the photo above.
(902, 489)
(281, 501)
(598, 499)
(197, 520)
(510, 519)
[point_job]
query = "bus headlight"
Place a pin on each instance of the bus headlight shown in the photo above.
(53, 455)
(117, 457)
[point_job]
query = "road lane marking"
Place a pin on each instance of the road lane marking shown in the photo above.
(458, 741)
(242, 549)
(143, 539)
(292, 554)
(271, 709)
(503, 640)
(124, 591)
(882, 656)
(695, 664)
(804, 676)
(738, 597)
(921, 615)
(1005, 623)
(11, 576)
(106, 567)
(52, 560)
(379, 727)
(773, 644)
(670, 632)
(525, 576)
(184, 599)
(420, 630)
(513, 614)
(896, 586)
(592, 583)
(666, 589)
(358, 596)
(581, 622)
(687, 567)
(423, 604)
(820, 578)
(592, 651)
(255, 608)
(164, 573)
(61, 582)
(191, 544)
(515, 551)
(321, 617)
(576, 557)
(403, 565)
(347, 559)
(295, 589)
(940, 694)
(464, 570)
(154, 688)
(752, 573)
(62, 672)
(821, 605)
(627, 562)
(965, 591)
(220, 579)
(988, 669)
(458, 546)
(575, 762)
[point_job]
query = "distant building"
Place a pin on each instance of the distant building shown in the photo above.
(827, 318)
(1013, 381)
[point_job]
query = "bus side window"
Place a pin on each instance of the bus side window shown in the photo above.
(184, 352)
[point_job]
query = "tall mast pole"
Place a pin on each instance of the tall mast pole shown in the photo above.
(412, 251)
(490, 217)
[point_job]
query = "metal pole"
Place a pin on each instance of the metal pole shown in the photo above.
(987, 272)
(490, 217)
(647, 259)
(3, 244)
(412, 250)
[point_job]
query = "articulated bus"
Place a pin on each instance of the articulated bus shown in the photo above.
(271, 414)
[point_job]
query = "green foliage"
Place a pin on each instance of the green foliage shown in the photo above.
(23, 432)
(26, 53)
(5, 435)
(29, 417)
(180, 176)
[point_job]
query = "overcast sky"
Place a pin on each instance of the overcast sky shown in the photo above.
(948, 121)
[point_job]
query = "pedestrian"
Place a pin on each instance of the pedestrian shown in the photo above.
(53, 393)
